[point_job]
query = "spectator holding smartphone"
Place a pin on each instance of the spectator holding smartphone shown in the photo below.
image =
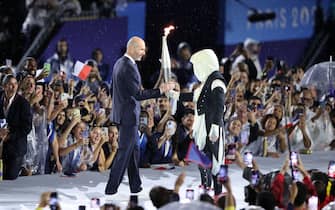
(145, 143)
(71, 151)
(111, 146)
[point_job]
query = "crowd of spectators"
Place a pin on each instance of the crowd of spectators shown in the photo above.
(68, 129)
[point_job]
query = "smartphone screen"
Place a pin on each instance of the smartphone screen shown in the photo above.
(248, 159)
(331, 169)
(47, 67)
(231, 152)
(294, 159)
(104, 131)
(296, 176)
(254, 177)
(144, 121)
(223, 173)
(64, 96)
(190, 194)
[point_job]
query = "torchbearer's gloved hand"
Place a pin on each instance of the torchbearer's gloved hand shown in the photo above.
(214, 133)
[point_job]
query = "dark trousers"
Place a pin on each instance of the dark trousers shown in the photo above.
(206, 174)
(127, 157)
(207, 178)
(11, 167)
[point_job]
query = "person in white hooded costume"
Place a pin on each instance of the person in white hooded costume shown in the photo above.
(209, 110)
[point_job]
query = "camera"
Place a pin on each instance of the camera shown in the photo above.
(223, 174)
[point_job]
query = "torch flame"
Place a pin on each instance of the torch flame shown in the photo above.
(168, 29)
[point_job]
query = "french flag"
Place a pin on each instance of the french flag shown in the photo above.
(81, 70)
(196, 156)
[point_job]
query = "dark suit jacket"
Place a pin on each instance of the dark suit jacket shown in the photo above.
(127, 92)
(19, 119)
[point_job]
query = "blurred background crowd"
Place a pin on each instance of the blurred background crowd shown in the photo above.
(270, 102)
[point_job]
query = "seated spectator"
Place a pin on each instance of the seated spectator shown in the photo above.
(145, 143)
(60, 122)
(233, 132)
(165, 145)
(110, 147)
(72, 151)
(267, 143)
(184, 133)
(96, 139)
(162, 112)
(300, 136)
(242, 115)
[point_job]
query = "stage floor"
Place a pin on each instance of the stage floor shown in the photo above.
(24, 193)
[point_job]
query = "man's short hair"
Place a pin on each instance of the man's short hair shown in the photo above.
(7, 78)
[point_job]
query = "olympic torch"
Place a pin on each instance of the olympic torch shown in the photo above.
(166, 64)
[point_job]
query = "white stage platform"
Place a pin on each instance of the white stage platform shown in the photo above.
(24, 193)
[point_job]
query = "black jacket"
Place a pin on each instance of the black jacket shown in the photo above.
(210, 102)
(19, 119)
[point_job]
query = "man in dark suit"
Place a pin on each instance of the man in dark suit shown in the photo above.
(16, 110)
(127, 92)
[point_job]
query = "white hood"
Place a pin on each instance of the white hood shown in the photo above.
(205, 62)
